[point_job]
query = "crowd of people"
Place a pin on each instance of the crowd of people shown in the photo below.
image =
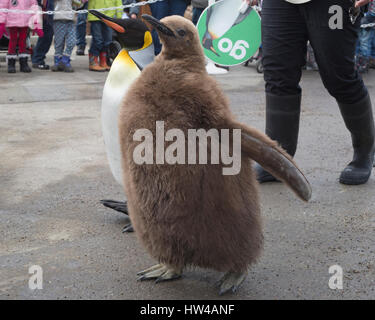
(366, 43)
(68, 29)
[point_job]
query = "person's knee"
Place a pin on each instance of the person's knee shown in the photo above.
(346, 90)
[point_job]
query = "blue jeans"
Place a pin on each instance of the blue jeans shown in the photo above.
(42, 46)
(196, 14)
(164, 9)
(81, 27)
(101, 37)
(366, 41)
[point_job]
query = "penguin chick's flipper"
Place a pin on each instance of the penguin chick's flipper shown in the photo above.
(231, 281)
(274, 159)
(116, 205)
(159, 273)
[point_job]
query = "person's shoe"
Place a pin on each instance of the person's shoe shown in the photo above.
(58, 65)
(80, 51)
(94, 64)
(24, 66)
(103, 61)
(359, 120)
(65, 60)
(40, 66)
(11, 64)
(282, 125)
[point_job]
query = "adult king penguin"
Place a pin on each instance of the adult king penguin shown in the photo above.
(192, 214)
(137, 52)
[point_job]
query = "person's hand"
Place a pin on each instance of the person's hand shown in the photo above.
(133, 16)
(39, 32)
(2, 29)
(361, 3)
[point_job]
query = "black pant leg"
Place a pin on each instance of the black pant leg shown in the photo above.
(335, 50)
(284, 38)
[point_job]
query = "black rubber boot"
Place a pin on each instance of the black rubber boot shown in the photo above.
(24, 67)
(359, 120)
(11, 65)
(282, 125)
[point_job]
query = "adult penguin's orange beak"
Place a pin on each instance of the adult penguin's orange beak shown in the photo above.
(115, 24)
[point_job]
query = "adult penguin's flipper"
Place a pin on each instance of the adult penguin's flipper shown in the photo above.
(274, 159)
(120, 207)
(116, 205)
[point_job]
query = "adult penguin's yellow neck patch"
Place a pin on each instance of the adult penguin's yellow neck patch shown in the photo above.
(147, 40)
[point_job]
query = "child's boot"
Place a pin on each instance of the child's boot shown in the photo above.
(24, 66)
(58, 66)
(94, 64)
(66, 62)
(11, 64)
(103, 61)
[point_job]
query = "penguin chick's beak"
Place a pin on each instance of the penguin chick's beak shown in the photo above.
(161, 27)
(110, 22)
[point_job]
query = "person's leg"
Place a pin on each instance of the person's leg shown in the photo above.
(335, 51)
(58, 29)
(81, 31)
(96, 46)
(70, 42)
(372, 58)
(284, 39)
(22, 52)
(97, 38)
(12, 55)
(159, 10)
(177, 7)
(364, 54)
(43, 45)
(107, 39)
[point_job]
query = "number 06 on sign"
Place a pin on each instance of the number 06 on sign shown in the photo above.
(229, 34)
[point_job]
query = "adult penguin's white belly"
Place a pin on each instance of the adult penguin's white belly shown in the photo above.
(123, 73)
(223, 17)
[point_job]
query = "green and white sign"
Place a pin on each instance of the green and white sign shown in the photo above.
(229, 34)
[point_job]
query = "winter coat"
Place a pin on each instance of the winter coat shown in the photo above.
(97, 4)
(63, 5)
(199, 3)
(17, 19)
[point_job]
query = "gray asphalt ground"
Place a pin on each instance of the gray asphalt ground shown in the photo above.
(53, 172)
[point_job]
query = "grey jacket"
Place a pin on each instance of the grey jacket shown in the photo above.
(63, 5)
(199, 3)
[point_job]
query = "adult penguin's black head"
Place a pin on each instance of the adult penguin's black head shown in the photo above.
(132, 34)
(178, 35)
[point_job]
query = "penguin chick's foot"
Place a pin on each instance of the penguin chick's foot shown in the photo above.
(160, 273)
(128, 228)
(231, 281)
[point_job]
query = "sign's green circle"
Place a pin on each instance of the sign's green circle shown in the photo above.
(239, 36)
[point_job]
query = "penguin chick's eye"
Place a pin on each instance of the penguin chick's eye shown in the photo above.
(181, 32)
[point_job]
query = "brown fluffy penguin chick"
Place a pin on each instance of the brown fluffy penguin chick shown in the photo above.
(193, 215)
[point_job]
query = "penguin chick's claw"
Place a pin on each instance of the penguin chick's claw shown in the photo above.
(160, 273)
(231, 281)
(128, 228)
